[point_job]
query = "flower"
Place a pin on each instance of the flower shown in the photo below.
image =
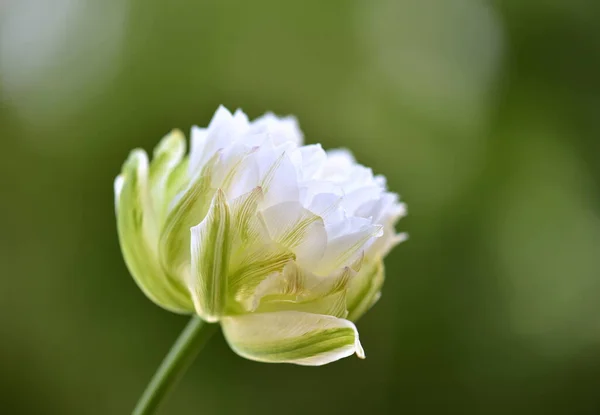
(282, 243)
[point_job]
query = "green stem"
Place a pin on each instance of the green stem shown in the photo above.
(182, 354)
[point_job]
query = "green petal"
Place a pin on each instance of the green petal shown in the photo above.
(292, 337)
(138, 232)
(189, 210)
(210, 249)
(167, 156)
(364, 289)
(177, 182)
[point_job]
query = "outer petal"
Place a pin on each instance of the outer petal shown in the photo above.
(292, 337)
(364, 289)
(210, 248)
(187, 211)
(167, 156)
(136, 225)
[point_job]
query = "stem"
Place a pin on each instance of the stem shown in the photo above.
(182, 354)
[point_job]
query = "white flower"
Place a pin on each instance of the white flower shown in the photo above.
(283, 244)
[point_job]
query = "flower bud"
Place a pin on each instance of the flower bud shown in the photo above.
(281, 243)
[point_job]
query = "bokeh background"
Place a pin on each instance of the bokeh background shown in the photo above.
(484, 116)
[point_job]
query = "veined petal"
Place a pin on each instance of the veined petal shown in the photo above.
(189, 210)
(245, 222)
(332, 305)
(248, 279)
(210, 249)
(167, 156)
(297, 229)
(292, 337)
(137, 230)
(364, 289)
(177, 182)
(296, 289)
(254, 257)
(345, 248)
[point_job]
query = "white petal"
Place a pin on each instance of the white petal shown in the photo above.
(344, 249)
(237, 172)
(341, 157)
(223, 131)
(292, 337)
(354, 199)
(326, 205)
(197, 143)
(280, 130)
(221, 116)
(240, 118)
(298, 229)
(378, 208)
(313, 159)
(199, 139)
(279, 181)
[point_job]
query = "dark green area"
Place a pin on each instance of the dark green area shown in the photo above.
(484, 117)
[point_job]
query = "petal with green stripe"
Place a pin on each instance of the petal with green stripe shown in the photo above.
(295, 289)
(210, 250)
(138, 236)
(254, 255)
(364, 289)
(292, 337)
(188, 211)
(167, 157)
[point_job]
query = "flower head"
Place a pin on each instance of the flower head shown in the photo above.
(281, 243)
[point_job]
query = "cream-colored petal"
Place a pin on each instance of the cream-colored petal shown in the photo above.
(292, 337)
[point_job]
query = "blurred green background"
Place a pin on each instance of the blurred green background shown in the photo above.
(485, 117)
